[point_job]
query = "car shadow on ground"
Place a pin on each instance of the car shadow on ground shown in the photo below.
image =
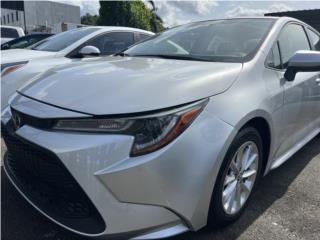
(21, 221)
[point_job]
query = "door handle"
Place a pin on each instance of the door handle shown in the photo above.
(318, 81)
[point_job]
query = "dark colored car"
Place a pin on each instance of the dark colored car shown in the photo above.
(25, 41)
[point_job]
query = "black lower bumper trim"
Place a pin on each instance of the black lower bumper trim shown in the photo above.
(46, 182)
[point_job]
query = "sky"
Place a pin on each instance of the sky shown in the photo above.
(179, 12)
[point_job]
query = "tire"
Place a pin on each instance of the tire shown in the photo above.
(221, 213)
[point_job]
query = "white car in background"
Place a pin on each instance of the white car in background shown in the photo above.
(20, 66)
(9, 33)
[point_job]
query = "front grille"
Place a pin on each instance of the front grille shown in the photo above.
(42, 177)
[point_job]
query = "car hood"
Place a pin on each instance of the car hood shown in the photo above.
(18, 55)
(119, 85)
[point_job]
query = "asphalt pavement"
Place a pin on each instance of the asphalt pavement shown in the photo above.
(285, 206)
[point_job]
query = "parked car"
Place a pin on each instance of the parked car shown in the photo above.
(25, 41)
(169, 135)
(9, 32)
(19, 66)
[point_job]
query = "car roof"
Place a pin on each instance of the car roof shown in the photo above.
(11, 27)
(282, 18)
(285, 20)
(39, 33)
(253, 17)
(222, 19)
(276, 18)
(119, 28)
(240, 18)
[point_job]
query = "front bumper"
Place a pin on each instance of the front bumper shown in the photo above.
(152, 196)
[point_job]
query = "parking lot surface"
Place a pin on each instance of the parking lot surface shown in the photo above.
(286, 205)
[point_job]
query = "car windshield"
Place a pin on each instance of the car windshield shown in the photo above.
(62, 40)
(221, 40)
(9, 32)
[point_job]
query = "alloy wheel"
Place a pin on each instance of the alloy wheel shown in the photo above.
(240, 177)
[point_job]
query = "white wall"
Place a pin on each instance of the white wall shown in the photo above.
(43, 13)
(7, 12)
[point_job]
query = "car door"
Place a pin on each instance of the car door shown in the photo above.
(112, 42)
(275, 87)
(299, 108)
(314, 38)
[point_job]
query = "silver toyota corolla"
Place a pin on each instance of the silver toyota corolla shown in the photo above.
(169, 135)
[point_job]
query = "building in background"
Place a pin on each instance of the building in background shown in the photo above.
(311, 17)
(40, 16)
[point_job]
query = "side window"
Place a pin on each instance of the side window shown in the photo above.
(111, 43)
(273, 59)
(292, 39)
(140, 37)
(314, 39)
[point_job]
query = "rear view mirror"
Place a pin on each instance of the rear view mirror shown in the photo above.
(302, 61)
(89, 51)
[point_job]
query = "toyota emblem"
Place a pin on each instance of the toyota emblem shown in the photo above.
(16, 120)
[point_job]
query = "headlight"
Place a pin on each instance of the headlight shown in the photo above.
(11, 67)
(150, 132)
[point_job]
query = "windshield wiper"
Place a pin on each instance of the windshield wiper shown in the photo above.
(178, 57)
(122, 54)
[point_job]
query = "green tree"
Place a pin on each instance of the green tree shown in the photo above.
(129, 14)
(156, 21)
(89, 19)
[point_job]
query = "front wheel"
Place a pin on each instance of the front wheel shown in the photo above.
(237, 177)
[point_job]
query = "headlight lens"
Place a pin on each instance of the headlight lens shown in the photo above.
(11, 67)
(150, 132)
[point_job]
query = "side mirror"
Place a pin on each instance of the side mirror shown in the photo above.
(5, 46)
(89, 51)
(302, 61)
